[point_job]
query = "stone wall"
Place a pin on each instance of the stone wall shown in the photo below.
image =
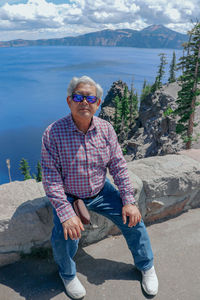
(164, 187)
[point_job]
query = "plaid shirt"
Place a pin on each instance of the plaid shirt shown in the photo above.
(76, 163)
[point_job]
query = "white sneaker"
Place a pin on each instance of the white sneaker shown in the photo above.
(150, 281)
(74, 288)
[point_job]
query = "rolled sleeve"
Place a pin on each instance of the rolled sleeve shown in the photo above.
(118, 169)
(52, 179)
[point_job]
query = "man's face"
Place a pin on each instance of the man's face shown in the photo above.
(83, 110)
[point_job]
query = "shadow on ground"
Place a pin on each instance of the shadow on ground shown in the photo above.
(37, 279)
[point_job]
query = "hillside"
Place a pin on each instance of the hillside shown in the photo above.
(154, 36)
(153, 134)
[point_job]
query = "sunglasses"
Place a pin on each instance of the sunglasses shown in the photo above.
(80, 98)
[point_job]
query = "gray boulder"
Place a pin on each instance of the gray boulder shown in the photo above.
(171, 185)
(26, 220)
(164, 187)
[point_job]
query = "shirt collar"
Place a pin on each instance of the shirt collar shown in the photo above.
(72, 126)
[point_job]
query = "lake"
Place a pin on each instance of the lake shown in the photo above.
(33, 84)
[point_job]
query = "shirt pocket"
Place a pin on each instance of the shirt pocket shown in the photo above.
(100, 153)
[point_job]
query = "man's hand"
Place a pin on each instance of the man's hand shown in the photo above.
(72, 227)
(133, 213)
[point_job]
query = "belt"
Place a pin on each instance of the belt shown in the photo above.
(92, 197)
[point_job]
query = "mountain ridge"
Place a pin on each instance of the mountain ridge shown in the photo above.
(153, 36)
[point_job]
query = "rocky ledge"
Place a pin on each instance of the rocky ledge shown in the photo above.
(153, 133)
(165, 186)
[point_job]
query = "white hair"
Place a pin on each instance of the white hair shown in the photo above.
(84, 79)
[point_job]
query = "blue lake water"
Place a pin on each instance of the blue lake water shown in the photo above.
(33, 83)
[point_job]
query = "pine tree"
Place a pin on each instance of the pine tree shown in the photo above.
(133, 105)
(172, 76)
(117, 116)
(146, 90)
(25, 169)
(125, 108)
(144, 84)
(186, 52)
(161, 71)
(187, 96)
(39, 172)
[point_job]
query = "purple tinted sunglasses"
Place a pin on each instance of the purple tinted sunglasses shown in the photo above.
(80, 98)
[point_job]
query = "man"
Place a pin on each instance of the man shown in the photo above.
(77, 150)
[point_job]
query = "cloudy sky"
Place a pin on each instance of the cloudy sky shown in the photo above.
(34, 19)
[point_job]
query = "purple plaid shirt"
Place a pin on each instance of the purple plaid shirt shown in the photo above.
(76, 163)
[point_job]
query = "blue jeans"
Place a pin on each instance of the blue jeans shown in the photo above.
(109, 204)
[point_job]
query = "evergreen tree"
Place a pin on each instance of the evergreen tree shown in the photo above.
(187, 96)
(125, 108)
(39, 172)
(172, 76)
(25, 169)
(186, 52)
(117, 116)
(146, 90)
(144, 84)
(161, 71)
(133, 105)
(136, 103)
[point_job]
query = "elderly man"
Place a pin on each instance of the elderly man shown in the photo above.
(76, 152)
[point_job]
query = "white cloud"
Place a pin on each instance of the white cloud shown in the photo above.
(172, 13)
(39, 18)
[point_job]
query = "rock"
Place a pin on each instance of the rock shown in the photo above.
(172, 210)
(25, 217)
(108, 105)
(171, 184)
(164, 186)
(193, 153)
(100, 228)
(26, 220)
(157, 134)
(152, 134)
(155, 205)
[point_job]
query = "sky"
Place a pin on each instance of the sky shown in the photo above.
(35, 19)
